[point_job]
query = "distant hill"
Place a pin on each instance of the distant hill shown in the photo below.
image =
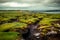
(46, 10)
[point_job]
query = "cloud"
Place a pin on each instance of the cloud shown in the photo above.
(24, 1)
(51, 3)
(15, 4)
(31, 4)
(45, 2)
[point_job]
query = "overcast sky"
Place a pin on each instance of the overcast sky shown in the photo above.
(30, 4)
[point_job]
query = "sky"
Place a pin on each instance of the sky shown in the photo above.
(29, 4)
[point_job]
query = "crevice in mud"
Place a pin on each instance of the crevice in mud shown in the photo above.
(6, 30)
(28, 35)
